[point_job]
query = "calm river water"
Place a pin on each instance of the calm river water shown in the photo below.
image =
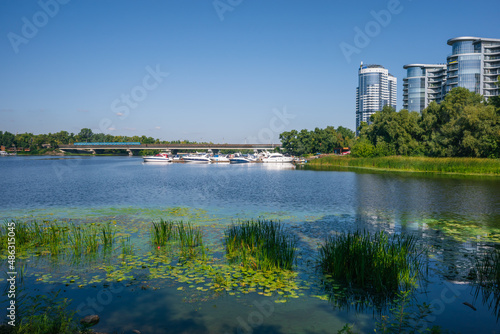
(451, 214)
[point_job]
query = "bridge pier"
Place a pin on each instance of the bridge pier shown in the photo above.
(129, 152)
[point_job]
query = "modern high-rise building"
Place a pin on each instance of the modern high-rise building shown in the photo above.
(376, 88)
(474, 64)
(423, 84)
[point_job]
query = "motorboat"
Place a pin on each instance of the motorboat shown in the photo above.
(197, 158)
(277, 157)
(160, 157)
(240, 158)
(219, 158)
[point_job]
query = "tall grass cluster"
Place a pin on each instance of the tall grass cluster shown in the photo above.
(378, 262)
(416, 164)
(58, 238)
(262, 244)
(188, 237)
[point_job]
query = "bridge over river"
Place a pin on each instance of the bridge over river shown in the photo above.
(129, 147)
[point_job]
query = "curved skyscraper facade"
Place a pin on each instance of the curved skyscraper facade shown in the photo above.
(423, 84)
(474, 64)
(376, 89)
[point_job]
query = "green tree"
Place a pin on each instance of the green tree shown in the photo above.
(397, 132)
(85, 135)
(345, 135)
(363, 148)
(8, 139)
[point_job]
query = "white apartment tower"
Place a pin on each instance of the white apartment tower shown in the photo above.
(376, 88)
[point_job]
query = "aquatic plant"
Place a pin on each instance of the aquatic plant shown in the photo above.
(415, 164)
(487, 270)
(46, 314)
(380, 262)
(406, 318)
(191, 240)
(486, 274)
(262, 244)
(162, 232)
(107, 235)
(127, 247)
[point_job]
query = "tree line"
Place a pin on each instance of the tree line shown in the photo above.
(316, 141)
(51, 141)
(463, 125)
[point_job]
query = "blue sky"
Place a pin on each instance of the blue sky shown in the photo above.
(204, 70)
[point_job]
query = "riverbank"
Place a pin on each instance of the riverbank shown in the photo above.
(467, 166)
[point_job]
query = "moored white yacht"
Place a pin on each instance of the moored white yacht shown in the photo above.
(277, 157)
(197, 158)
(240, 158)
(219, 158)
(160, 157)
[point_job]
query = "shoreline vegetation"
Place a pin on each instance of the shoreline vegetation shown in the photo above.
(463, 166)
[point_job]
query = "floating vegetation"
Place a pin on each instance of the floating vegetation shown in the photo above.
(378, 262)
(465, 230)
(262, 244)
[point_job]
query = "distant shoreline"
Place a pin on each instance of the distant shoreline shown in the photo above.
(457, 166)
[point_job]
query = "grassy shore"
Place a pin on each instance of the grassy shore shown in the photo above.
(472, 166)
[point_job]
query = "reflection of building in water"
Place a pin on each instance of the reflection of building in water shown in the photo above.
(409, 196)
(433, 208)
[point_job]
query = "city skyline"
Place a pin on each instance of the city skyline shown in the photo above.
(211, 71)
(473, 64)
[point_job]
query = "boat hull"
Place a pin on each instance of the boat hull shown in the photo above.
(156, 159)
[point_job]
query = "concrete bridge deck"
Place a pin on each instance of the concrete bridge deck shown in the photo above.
(169, 147)
(175, 147)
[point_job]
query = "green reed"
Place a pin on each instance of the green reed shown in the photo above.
(190, 239)
(162, 232)
(107, 235)
(262, 244)
(416, 164)
(380, 262)
(126, 246)
(186, 236)
(83, 240)
(487, 270)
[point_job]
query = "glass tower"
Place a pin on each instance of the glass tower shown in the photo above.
(376, 89)
(423, 84)
(474, 64)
